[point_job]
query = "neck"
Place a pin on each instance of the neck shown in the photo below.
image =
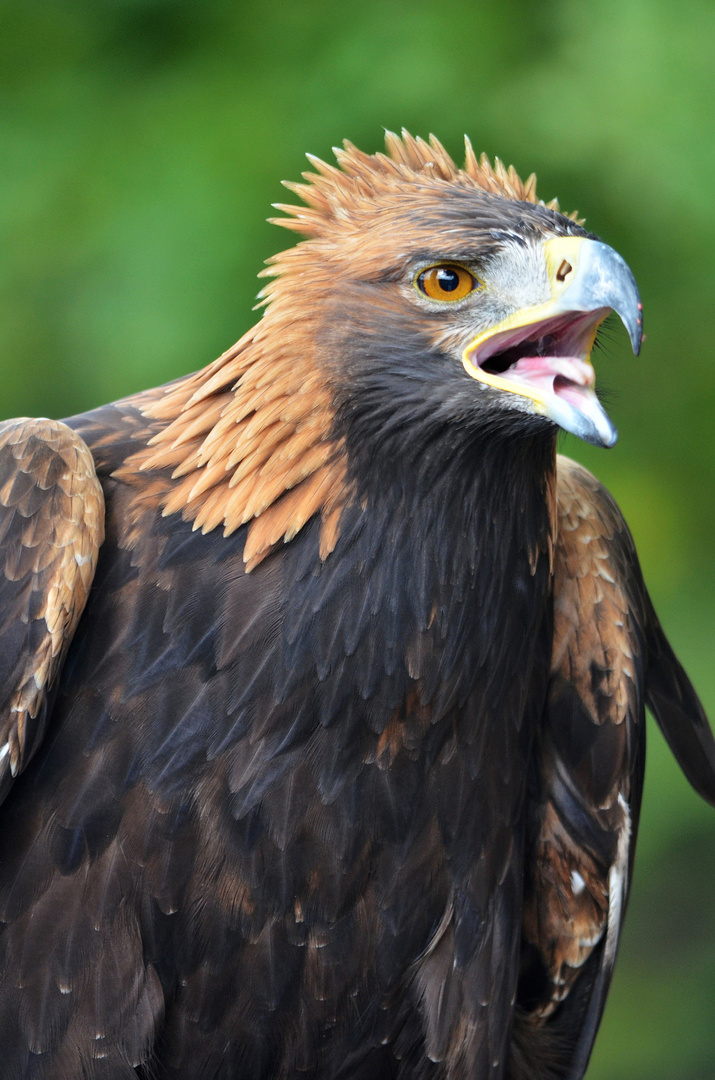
(427, 469)
(443, 588)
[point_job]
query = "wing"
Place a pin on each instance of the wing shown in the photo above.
(610, 658)
(51, 528)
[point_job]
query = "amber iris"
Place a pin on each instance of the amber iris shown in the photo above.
(446, 282)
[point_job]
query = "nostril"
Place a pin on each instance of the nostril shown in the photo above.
(564, 270)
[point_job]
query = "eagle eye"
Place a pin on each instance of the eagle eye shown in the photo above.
(445, 282)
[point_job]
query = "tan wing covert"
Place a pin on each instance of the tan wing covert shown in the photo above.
(51, 529)
(592, 750)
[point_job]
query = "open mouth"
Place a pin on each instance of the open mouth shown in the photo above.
(550, 356)
(547, 361)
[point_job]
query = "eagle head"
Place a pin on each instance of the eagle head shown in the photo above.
(444, 294)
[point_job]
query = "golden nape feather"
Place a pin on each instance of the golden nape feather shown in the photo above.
(345, 720)
(262, 454)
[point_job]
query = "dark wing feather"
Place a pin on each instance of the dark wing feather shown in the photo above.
(610, 658)
(678, 712)
(51, 527)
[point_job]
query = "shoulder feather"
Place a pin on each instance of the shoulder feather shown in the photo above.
(51, 529)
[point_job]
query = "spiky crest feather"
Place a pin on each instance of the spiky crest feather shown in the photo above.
(329, 193)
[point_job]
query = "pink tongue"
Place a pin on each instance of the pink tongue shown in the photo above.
(567, 376)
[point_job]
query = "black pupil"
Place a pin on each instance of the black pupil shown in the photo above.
(448, 279)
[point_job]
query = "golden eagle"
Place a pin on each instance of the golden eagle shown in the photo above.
(324, 678)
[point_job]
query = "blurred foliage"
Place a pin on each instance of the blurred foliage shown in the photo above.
(142, 143)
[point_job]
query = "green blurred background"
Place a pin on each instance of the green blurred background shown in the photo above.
(141, 144)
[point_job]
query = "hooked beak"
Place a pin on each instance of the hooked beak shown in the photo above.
(543, 352)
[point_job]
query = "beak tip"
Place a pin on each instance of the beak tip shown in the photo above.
(636, 335)
(603, 279)
(603, 435)
(605, 440)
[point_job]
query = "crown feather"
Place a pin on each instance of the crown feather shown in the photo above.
(329, 191)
